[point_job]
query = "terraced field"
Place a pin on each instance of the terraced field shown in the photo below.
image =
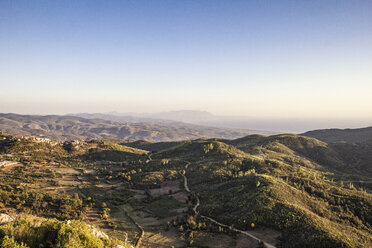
(254, 191)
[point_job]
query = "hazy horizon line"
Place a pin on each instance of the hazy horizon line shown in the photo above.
(274, 124)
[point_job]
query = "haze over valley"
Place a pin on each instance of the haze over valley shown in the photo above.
(273, 124)
(110, 126)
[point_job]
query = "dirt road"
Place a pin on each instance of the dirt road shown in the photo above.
(215, 221)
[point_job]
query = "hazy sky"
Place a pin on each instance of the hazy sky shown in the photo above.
(255, 58)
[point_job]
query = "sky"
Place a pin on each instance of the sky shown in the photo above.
(261, 59)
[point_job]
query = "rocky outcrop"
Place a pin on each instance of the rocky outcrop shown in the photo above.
(98, 233)
(4, 218)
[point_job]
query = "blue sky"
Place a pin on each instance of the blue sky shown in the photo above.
(308, 59)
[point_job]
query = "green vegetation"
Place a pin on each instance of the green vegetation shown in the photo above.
(357, 135)
(61, 206)
(29, 231)
(312, 193)
(113, 152)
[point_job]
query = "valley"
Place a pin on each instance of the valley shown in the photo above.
(255, 191)
(185, 124)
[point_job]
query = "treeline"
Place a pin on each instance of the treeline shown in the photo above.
(57, 205)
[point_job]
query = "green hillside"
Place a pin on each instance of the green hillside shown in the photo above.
(285, 190)
(349, 135)
(30, 231)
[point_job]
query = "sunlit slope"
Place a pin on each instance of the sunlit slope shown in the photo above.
(292, 187)
(315, 194)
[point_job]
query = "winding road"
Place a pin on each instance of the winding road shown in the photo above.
(213, 220)
(185, 178)
(262, 153)
(149, 155)
(186, 186)
(138, 242)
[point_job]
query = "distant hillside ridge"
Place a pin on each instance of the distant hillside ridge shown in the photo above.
(77, 128)
(348, 135)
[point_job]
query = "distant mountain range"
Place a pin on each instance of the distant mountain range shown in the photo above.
(96, 126)
(204, 118)
(187, 116)
(151, 127)
(356, 135)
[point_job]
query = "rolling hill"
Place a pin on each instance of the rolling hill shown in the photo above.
(72, 127)
(285, 190)
(349, 135)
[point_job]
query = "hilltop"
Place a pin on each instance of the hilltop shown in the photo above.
(349, 135)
